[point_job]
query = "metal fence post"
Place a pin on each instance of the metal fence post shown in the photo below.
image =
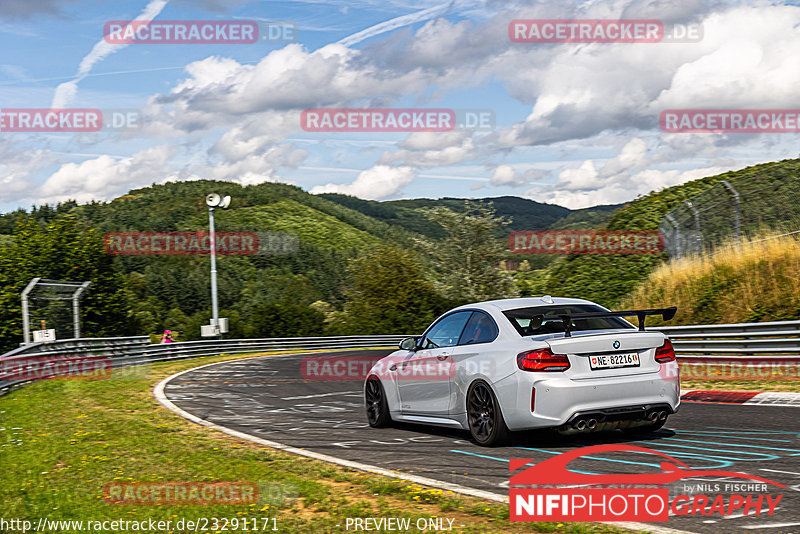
(676, 233)
(26, 320)
(696, 225)
(76, 315)
(736, 217)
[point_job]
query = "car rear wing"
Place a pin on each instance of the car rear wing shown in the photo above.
(665, 313)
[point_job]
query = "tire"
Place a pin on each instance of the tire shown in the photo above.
(484, 417)
(376, 405)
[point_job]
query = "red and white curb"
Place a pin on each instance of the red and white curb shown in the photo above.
(762, 398)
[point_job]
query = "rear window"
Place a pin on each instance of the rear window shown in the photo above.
(539, 320)
(480, 329)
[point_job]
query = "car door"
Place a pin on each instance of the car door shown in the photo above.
(472, 358)
(423, 379)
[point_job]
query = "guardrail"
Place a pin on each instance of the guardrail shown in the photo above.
(39, 360)
(763, 342)
(771, 341)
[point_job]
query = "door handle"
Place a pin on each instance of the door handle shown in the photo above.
(441, 357)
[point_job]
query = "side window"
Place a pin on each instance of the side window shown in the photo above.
(446, 332)
(480, 329)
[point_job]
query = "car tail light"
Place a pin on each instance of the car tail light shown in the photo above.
(542, 361)
(665, 353)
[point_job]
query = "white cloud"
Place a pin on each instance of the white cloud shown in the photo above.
(255, 168)
(431, 149)
(379, 182)
(257, 133)
(743, 60)
(18, 168)
(105, 177)
(290, 78)
(621, 189)
(506, 175)
(619, 179)
(571, 92)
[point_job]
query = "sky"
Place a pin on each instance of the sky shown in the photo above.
(575, 124)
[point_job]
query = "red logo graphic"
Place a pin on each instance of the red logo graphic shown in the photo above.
(610, 504)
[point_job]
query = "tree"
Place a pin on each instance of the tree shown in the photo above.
(65, 249)
(466, 260)
(285, 319)
(388, 294)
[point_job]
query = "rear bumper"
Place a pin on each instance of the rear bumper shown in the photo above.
(559, 400)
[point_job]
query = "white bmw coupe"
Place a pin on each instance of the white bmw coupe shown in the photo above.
(529, 363)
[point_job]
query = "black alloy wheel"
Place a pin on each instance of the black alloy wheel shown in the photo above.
(377, 407)
(484, 417)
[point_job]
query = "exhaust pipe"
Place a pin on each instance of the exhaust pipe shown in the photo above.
(652, 416)
(580, 424)
(662, 415)
(591, 424)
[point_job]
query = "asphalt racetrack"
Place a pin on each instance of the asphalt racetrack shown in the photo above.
(268, 397)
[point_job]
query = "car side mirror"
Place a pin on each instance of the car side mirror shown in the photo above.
(409, 343)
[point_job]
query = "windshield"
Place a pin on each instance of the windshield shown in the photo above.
(539, 320)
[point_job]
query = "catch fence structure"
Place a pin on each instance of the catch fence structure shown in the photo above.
(749, 205)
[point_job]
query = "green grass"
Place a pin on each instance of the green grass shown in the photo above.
(61, 441)
(740, 282)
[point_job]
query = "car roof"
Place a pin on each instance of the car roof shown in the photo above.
(528, 302)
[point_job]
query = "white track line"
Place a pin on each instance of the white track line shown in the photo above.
(158, 392)
(771, 525)
(335, 393)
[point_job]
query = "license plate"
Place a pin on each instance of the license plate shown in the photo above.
(610, 361)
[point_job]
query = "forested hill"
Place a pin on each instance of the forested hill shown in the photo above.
(350, 258)
(328, 220)
(525, 214)
(263, 294)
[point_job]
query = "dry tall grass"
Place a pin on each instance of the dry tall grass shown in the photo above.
(740, 282)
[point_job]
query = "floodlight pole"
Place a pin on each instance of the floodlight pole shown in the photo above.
(213, 244)
(76, 315)
(26, 322)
